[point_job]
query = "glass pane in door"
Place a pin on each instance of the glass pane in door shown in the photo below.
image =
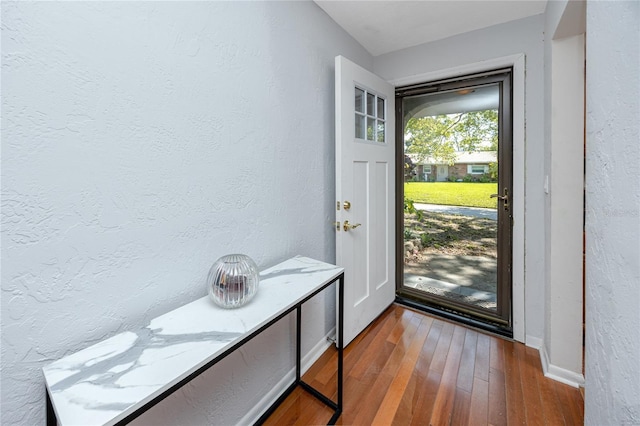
(371, 129)
(359, 120)
(359, 100)
(450, 219)
(381, 131)
(381, 108)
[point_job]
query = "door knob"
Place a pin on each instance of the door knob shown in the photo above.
(348, 225)
(504, 198)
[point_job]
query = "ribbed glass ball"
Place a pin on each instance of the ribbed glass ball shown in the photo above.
(233, 280)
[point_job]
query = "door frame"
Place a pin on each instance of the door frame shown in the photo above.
(517, 63)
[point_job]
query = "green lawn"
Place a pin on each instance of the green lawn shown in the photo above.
(452, 193)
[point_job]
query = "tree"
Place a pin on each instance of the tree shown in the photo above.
(493, 171)
(477, 131)
(441, 136)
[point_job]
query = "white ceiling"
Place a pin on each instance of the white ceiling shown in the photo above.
(385, 26)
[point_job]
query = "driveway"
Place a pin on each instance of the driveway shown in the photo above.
(462, 211)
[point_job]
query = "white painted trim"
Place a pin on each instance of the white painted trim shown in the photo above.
(269, 398)
(306, 362)
(534, 342)
(316, 352)
(519, 161)
(544, 359)
(565, 376)
(559, 374)
(519, 145)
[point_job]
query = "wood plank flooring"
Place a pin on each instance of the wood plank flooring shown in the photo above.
(408, 368)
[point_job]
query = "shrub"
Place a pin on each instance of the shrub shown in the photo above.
(410, 208)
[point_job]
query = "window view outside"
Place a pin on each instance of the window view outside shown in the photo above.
(450, 223)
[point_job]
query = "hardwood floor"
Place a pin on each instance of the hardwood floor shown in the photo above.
(409, 368)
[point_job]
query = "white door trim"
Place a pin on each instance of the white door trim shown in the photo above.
(519, 143)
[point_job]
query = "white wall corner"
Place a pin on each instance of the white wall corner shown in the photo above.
(558, 374)
(306, 362)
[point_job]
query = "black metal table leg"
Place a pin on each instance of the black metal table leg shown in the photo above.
(52, 420)
(340, 342)
(298, 348)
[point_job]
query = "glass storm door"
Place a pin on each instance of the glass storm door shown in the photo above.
(455, 227)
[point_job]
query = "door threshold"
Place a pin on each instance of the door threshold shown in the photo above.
(456, 317)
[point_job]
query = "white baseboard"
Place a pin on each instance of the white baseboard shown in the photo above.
(312, 356)
(559, 374)
(534, 342)
(306, 362)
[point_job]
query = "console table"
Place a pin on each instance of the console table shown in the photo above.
(118, 379)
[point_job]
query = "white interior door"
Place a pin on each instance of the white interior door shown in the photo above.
(365, 182)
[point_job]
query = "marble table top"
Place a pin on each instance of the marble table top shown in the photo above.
(108, 381)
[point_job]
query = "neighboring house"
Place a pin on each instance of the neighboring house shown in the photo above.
(467, 166)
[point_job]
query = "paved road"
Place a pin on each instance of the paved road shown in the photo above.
(463, 211)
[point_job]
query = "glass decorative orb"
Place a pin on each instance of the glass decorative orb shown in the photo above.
(233, 280)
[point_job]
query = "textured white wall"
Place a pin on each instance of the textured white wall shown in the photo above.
(612, 374)
(140, 142)
(517, 37)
